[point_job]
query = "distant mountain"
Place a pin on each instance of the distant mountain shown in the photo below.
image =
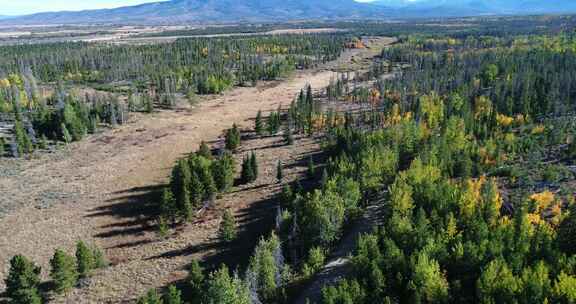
(231, 11)
(212, 11)
(478, 7)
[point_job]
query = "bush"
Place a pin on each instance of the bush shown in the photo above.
(196, 279)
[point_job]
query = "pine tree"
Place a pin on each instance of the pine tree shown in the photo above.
(66, 134)
(22, 281)
(227, 230)
(204, 151)
(279, 173)
(247, 175)
(223, 170)
(63, 272)
(233, 138)
(196, 279)
(311, 167)
(84, 259)
(288, 136)
(22, 139)
(168, 204)
(152, 297)
(254, 166)
(174, 296)
(259, 124)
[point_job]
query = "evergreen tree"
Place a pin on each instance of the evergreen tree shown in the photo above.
(196, 279)
(23, 141)
(63, 271)
(85, 262)
(247, 175)
(204, 151)
(311, 168)
(254, 166)
(174, 296)
(233, 138)
(168, 206)
(259, 124)
(223, 170)
(227, 230)
(279, 172)
(225, 289)
(288, 136)
(152, 297)
(22, 281)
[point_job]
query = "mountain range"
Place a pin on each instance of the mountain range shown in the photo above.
(232, 11)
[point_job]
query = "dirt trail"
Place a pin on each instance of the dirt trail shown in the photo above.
(93, 190)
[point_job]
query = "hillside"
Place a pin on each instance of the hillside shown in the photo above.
(211, 11)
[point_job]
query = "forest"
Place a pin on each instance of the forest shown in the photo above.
(464, 140)
(45, 89)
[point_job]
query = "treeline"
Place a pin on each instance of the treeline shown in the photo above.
(202, 65)
(23, 280)
(65, 116)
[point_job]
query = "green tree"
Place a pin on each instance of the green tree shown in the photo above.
(151, 297)
(23, 141)
(173, 296)
(497, 284)
(196, 279)
(254, 166)
(22, 281)
(225, 289)
(311, 168)
(227, 230)
(429, 280)
(63, 271)
(223, 170)
(85, 262)
(232, 138)
(279, 172)
(204, 151)
(259, 124)
(315, 261)
(247, 174)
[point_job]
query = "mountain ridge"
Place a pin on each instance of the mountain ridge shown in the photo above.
(233, 11)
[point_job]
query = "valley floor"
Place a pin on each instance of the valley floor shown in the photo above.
(96, 190)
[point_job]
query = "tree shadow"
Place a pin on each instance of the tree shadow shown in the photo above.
(253, 222)
(136, 205)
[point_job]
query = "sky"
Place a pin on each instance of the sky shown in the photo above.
(21, 7)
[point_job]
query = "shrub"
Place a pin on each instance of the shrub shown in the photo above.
(227, 230)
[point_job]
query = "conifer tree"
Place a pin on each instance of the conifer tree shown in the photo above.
(247, 175)
(227, 230)
(223, 170)
(63, 271)
(254, 166)
(85, 262)
(279, 172)
(288, 136)
(204, 151)
(22, 139)
(233, 138)
(196, 279)
(152, 297)
(311, 168)
(173, 296)
(259, 124)
(22, 281)
(168, 204)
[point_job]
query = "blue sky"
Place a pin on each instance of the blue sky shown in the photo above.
(20, 7)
